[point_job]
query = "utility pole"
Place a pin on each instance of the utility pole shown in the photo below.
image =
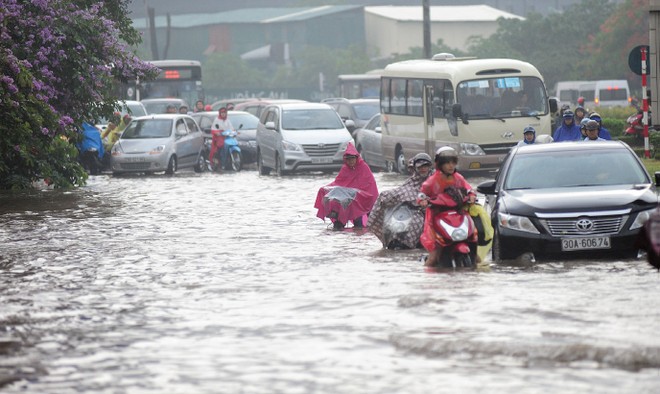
(427, 28)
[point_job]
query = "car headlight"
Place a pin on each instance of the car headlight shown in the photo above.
(344, 145)
(642, 218)
(471, 150)
(514, 222)
(286, 145)
(157, 150)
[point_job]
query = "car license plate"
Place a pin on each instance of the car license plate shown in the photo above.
(568, 244)
(135, 159)
(321, 160)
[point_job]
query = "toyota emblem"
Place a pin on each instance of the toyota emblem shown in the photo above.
(584, 225)
(321, 145)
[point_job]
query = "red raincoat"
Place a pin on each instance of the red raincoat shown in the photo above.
(358, 177)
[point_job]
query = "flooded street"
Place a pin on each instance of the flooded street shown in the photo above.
(207, 283)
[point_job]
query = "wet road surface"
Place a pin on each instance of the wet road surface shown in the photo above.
(206, 283)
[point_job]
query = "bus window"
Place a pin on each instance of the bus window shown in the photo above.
(443, 97)
(398, 96)
(502, 97)
(415, 97)
(385, 95)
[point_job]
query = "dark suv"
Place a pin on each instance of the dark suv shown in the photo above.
(357, 110)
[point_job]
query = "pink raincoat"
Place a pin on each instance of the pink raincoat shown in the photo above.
(358, 177)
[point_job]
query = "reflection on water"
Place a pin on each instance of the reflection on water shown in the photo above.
(229, 283)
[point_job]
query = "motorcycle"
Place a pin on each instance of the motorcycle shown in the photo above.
(399, 225)
(229, 157)
(341, 204)
(635, 123)
(232, 155)
(454, 231)
(91, 162)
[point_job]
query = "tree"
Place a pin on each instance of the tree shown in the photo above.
(555, 44)
(60, 62)
(609, 46)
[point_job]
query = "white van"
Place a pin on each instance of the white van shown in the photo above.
(567, 92)
(606, 93)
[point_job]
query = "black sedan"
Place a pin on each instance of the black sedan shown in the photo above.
(246, 125)
(569, 199)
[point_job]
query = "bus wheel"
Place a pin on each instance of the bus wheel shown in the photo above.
(401, 165)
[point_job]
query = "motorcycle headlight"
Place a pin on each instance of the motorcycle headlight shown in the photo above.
(641, 218)
(471, 150)
(286, 145)
(157, 150)
(514, 222)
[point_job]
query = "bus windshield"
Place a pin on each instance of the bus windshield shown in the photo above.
(502, 97)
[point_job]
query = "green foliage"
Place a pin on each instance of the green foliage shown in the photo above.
(60, 60)
(616, 127)
(556, 44)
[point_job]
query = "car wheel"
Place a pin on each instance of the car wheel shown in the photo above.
(235, 161)
(401, 165)
(200, 166)
(171, 166)
(278, 166)
(263, 170)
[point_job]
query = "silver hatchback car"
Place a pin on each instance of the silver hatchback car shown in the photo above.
(159, 143)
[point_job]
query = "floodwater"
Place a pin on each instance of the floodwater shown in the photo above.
(207, 283)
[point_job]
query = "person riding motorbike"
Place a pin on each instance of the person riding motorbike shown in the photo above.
(421, 169)
(446, 160)
(220, 124)
(354, 174)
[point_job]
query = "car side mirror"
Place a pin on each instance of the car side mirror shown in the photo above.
(270, 126)
(181, 132)
(657, 178)
(350, 125)
(378, 129)
(487, 188)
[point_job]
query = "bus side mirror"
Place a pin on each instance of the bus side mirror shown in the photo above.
(457, 112)
(553, 105)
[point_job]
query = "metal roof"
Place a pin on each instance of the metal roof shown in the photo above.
(247, 15)
(467, 13)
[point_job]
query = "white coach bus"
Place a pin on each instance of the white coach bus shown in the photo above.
(480, 107)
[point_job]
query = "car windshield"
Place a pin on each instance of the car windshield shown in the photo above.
(503, 97)
(367, 110)
(160, 107)
(310, 119)
(148, 128)
(542, 170)
(248, 121)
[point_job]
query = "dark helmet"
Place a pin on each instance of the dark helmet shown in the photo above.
(592, 125)
(567, 114)
(583, 123)
(421, 159)
(445, 154)
(529, 129)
